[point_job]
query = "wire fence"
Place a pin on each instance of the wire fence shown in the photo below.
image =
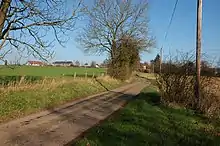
(86, 74)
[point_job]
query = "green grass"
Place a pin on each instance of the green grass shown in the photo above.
(150, 76)
(146, 122)
(48, 71)
(22, 100)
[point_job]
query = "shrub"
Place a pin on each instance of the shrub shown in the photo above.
(177, 85)
(120, 70)
(125, 60)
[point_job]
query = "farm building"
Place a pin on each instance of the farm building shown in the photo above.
(63, 63)
(35, 63)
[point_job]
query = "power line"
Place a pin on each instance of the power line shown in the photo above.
(171, 20)
(166, 33)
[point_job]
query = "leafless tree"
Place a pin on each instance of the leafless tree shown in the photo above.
(109, 20)
(25, 24)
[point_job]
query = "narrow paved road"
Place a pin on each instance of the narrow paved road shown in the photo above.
(62, 125)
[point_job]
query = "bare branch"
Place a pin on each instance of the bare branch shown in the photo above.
(4, 40)
(28, 23)
(110, 21)
(2, 56)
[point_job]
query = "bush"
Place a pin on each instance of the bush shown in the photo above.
(119, 70)
(125, 58)
(177, 85)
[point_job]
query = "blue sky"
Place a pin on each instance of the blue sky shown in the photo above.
(183, 29)
(181, 36)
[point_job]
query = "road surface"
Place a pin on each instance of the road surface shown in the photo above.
(63, 124)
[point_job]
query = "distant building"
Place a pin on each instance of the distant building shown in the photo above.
(145, 67)
(62, 63)
(35, 63)
(97, 66)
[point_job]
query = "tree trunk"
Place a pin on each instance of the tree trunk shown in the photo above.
(5, 4)
(113, 50)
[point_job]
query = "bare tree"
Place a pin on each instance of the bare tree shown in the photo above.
(110, 20)
(25, 24)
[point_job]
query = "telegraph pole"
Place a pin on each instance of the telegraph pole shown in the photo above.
(161, 54)
(198, 50)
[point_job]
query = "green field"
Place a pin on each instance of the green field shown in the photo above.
(48, 71)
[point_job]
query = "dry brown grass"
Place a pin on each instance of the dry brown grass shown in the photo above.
(50, 83)
(22, 85)
(217, 85)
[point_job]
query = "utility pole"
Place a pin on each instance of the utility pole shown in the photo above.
(198, 50)
(153, 68)
(161, 54)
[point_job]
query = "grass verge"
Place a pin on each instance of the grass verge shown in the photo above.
(144, 121)
(146, 75)
(23, 99)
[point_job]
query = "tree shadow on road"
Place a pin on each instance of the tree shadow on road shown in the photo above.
(101, 84)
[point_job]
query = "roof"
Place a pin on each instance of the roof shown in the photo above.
(63, 62)
(35, 62)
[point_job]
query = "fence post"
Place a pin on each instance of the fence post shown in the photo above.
(93, 75)
(74, 75)
(86, 75)
(22, 80)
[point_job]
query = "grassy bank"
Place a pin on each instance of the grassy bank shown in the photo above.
(144, 121)
(22, 99)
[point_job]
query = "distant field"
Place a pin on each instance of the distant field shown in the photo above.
(48, 71)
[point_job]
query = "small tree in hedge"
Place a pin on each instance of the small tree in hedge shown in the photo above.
(127, 59)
